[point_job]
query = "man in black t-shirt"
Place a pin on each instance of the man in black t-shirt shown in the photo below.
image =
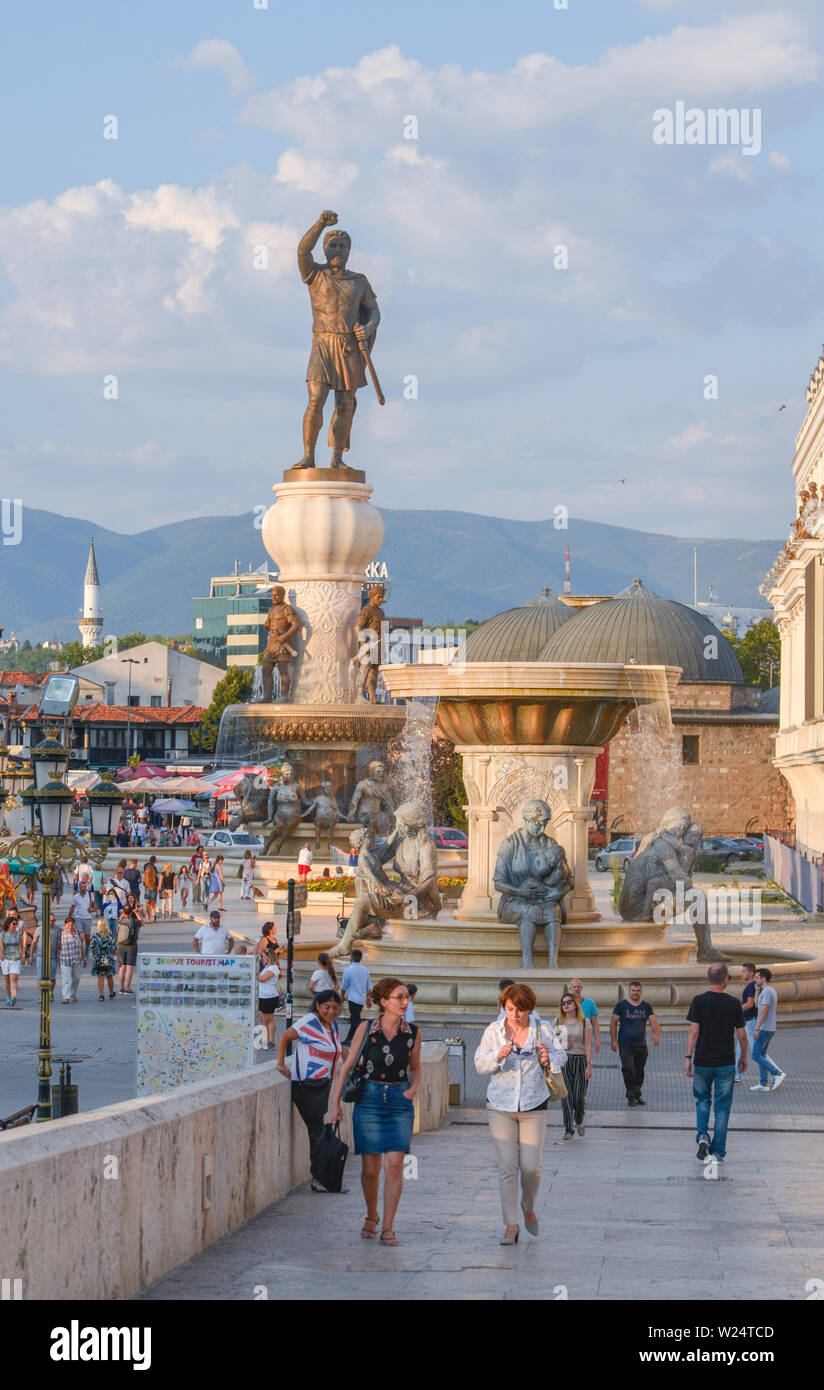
(628, 1037)
(715, 1020)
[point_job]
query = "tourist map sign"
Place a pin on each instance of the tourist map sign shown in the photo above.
(196, 1019)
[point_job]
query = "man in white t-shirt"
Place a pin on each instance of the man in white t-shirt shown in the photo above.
(304, 861)
(213, 940)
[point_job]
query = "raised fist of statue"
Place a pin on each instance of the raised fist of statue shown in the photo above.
(328, 218)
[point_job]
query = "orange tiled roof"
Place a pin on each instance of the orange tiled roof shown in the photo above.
(23, 677)
(140, 714)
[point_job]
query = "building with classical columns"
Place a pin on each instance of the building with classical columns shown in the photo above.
(795, 589)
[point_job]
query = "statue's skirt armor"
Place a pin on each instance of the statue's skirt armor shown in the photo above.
(336, 359)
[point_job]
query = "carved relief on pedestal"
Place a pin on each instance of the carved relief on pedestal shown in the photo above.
(327, 611)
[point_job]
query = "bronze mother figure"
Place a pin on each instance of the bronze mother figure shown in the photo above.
(532, 876)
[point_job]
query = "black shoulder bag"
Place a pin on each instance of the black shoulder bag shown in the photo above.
(353, 1086)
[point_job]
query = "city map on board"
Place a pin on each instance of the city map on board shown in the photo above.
(196, 1019)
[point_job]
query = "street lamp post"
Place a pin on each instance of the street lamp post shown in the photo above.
(47, 844)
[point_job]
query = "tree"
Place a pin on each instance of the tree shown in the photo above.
(448, 791)
(74, 654)
(234, 689)
(759, 652)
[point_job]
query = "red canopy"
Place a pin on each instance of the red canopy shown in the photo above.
(129, 774)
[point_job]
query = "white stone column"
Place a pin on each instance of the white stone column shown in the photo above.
(322, 534)
(499, 779)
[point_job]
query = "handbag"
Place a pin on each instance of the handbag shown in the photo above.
(330, 1159)
(353, 1085)
(554, 1079)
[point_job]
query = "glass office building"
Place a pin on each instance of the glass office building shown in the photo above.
(227, 626)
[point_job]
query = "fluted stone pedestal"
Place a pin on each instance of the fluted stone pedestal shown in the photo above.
(322, 532)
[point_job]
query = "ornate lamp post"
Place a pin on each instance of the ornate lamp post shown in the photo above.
(47, 843)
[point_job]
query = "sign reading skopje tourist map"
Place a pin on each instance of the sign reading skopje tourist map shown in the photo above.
(195, 1019)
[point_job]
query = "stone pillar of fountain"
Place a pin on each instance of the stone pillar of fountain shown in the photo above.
(499, 780)
(322, 532)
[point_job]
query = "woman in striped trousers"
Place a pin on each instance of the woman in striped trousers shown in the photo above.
(576, 1039)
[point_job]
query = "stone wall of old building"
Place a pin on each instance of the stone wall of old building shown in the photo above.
(731, 790)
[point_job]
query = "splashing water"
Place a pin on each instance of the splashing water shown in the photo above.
(413, 752)
(655, 780)
(257, 685)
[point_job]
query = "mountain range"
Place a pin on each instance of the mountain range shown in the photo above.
(442, 566)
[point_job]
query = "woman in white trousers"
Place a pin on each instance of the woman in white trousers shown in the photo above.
(512, 1052)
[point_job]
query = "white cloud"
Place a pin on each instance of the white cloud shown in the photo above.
(780, 161)
(689, 438)
(309, 175)
(218, 55)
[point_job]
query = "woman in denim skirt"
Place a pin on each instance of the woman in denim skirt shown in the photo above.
(384, 1115)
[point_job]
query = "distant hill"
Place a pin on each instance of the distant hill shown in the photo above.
(443, 565)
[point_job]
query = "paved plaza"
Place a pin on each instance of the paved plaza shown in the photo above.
(626, 1213)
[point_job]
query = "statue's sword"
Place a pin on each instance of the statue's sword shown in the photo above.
(368, 360)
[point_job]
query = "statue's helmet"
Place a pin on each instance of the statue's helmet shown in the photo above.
(412, 814)
(532, 809)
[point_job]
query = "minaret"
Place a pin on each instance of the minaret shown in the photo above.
(567, 585)
(91, 624)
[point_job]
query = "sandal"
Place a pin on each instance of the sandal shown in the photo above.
(388, 1237)
(369, 1221)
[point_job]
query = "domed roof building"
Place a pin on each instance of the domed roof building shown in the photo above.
(639, 626)
(518, 634)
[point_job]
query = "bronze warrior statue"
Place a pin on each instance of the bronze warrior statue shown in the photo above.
(282, 622)
(369, 620)
(345, 315)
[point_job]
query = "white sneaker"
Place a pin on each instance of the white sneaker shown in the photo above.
(759, 1087)
(776, 1081)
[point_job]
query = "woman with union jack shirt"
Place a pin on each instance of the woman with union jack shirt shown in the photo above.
(313, 1063)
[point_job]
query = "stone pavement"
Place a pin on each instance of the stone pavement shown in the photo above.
(626, 1213)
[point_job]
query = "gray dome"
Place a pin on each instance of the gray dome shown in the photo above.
(639, 626)
(519, 634)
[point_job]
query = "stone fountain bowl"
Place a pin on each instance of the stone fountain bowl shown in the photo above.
(581, 704)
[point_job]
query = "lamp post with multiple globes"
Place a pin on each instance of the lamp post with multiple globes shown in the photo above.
(46, 844)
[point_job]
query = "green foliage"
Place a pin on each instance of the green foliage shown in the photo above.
(617, 885)
(759, 652)
(448, 792)
(234, 689)
(33, 661)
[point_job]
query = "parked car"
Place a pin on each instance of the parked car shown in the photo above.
(617, 854)
(234, 842)
(731, 850)
(751, 843)
(447, 837)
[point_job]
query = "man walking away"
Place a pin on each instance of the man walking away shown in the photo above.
(357, 989)
(716, 1020)
(627, 1037)
(770, 1076)
(132, 877)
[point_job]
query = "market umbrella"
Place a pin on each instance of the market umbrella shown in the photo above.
(186, 786)
(170, 805)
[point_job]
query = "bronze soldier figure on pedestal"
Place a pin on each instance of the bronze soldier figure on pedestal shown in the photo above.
(345, 315)
(282, 623)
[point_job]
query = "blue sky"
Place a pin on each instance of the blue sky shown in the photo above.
(536, 386)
